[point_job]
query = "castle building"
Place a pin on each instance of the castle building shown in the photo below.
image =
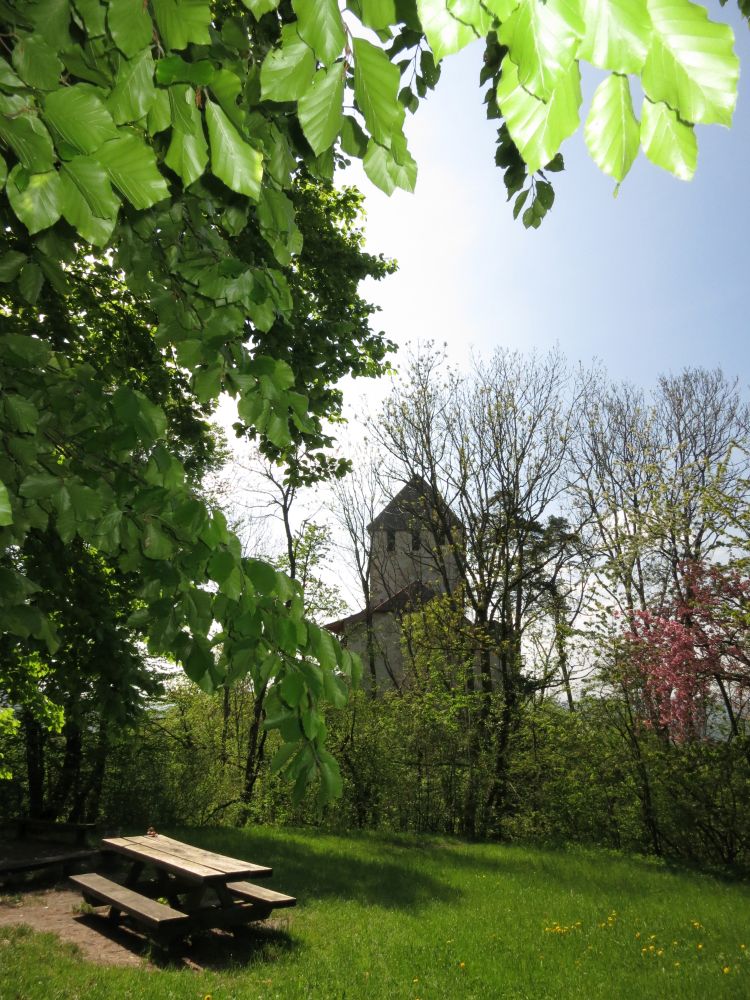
(412, 559)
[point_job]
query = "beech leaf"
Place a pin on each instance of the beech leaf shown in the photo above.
(691, 64)
(612, 132)
(667, 141)
(320, 111)
(536, 127)
(233, 160)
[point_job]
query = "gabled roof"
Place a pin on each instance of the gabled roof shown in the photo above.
(413, 595)
(410, 507)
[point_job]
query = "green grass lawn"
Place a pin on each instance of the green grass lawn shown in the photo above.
(394, 917)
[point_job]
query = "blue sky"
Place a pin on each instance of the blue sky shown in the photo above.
(650, 282)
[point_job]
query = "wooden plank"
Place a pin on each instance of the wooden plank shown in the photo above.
(146, 849)
(186, 869)
(44, 861)
(260, 894)
(148, 911)
(198, 855)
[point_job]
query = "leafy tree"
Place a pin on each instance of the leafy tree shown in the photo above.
(172, 133)
(692, 651)
(493, 449)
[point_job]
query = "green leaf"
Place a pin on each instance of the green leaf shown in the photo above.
(183, 21)
(79, 117)
(175, 69)
(11, 264)
(543, 37)
(293, 688)
(617, 34)
(376, 83)
(130, 25)
(21, 414)
(502, 9)
(323, 646)
(261, 575)
(445, 33)
(335, 689)
(187, 155)
(287, 71)
(38, 204)
(188, 150)
(538, 128)
(39, 486)
(379, 13)
(330, 777)
(233, 160)
(319, 109)
(667, 141)
(472, 13)
(160, 113)
(51, 19)
(353, 138)
(29, 140)
(36, 62)
(156, 545)
(30, 282)
(282, 756)
(134, 91)
(612, 132)
(131, 166)
(319, 24)
(6, 512)
(8, 79)
(277, 430)
(92, 182)
(89, 204)
(93, 15)
(260, 7)
(691, 64)
(384, 170)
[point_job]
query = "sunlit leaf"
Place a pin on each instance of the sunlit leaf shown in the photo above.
(543, 38)
(538, 128)
(691, 64)
(667, 141)
(612, 132)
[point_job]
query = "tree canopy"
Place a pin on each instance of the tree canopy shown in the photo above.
(175, 137)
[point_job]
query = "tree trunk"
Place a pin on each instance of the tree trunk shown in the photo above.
(34, 739)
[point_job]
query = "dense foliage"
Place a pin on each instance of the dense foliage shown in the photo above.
(179, 137)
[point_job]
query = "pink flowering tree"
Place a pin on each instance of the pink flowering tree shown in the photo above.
(692, 658)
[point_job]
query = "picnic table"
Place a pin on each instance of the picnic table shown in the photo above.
(202, 889)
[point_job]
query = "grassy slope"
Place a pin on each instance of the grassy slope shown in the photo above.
(398, 918)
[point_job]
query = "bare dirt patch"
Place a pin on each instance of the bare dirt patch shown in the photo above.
(57, 911)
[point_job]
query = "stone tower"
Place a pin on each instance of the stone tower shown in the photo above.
(409, 545)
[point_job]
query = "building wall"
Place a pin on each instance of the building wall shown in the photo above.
(395, 563)
(386, 637)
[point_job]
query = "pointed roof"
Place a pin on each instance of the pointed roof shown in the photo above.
(412, 596)
(409, 506)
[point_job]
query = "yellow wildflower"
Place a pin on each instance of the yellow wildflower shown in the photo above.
(726, 969)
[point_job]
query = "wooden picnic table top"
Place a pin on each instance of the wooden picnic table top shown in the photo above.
(192, 863)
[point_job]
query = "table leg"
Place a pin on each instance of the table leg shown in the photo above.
(134, 874)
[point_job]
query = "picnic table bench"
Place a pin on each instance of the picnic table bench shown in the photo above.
(202, 889)
(33, 846)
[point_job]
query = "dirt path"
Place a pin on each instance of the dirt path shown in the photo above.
(56, 911)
